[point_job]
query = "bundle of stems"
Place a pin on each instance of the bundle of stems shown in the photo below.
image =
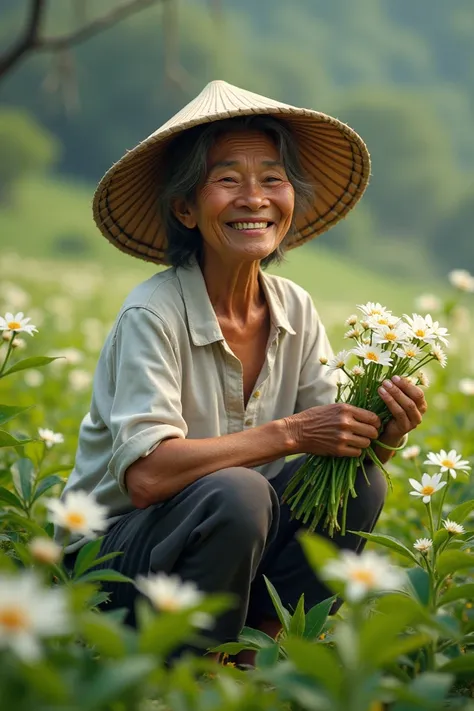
(386, 345)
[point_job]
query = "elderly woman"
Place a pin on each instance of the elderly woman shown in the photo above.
(210, 376)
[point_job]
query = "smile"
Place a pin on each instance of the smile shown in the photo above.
(249, 225)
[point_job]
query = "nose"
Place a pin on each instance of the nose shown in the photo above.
(251, 195)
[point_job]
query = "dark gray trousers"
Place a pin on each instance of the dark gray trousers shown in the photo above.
(224, 532)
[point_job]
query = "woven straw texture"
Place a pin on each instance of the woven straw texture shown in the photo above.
(333, 156)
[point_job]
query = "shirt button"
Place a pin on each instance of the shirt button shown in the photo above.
(256, 393)
(248, 422)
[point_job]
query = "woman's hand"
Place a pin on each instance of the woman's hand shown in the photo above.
(407, 405)
(339, 430)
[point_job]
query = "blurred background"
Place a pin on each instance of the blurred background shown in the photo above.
(401, 72)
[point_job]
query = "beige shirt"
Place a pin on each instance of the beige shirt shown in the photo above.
(166, 371)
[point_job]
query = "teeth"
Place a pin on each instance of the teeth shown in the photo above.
(249, 225)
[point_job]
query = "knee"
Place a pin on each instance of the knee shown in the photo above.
(244, 503)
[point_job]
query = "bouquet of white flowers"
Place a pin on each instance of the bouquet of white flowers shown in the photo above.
(385, 345)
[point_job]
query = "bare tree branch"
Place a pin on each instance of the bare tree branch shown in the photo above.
(31, 40)
(26, 43)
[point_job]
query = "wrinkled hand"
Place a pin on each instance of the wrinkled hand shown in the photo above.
(407, 406)
(340, 430)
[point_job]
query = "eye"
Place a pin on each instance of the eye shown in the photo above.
(272, 179)
(227, 179)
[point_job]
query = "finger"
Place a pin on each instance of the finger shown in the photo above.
(367, 431)
(396, 401)
(351, 452)
(358, 442)
(412, 391)
(365, 416)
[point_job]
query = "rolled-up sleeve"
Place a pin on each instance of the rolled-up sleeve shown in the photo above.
(145, 378)
(316, 386)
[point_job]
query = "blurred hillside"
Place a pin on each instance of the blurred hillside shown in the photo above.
(401, 72)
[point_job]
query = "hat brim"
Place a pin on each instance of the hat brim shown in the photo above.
(332, 155)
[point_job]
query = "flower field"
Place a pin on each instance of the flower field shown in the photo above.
(404, 639)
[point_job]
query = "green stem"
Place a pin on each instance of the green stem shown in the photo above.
(430, 514)
(443, 499)
(7, 356)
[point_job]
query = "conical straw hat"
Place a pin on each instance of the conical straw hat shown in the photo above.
(332, 155)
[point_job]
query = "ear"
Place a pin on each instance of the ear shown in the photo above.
(183, 213)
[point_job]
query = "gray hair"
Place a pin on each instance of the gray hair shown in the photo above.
(186, 166)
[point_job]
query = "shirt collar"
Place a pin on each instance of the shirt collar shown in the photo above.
(202, 320)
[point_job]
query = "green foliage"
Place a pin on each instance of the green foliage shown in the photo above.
(25, 147)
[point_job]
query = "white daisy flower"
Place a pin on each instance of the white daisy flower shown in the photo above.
(461, 279)
(452, 527)
(399, 333)
(448, 462)
(45, 550)
(353, 333)
(358, 371)
(411, 452)
(466, 386)
(49, 437)
(420, 328)
(423, 545)
(428, 302)
(372, 308)
(379, 321)
(339, 361)
(79, 513)
(29, 612)
(429, 485)
(17, 323)
(423, 379)
(372, 354)
(408, 350)
(352, 320)
(440, 332)
(168, 593)
(363, 574)
(439, 355)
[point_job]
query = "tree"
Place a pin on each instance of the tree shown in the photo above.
(30, 39)
(25, 147)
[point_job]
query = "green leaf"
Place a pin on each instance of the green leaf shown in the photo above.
(283, 614)
(440, 537)
(450, 561)
(458, 592)
(317, 661)
(255, 639)
(316, 618)
(8, 440)
(26, 363)
(427, 691)
(229, 648)
(45, 484)
(101, 632)
(98, 576)
(86, 557)
(402, 646)
(461, 512)
(9, 498)
(297, 622)
(267, 656)
(420, 584)
(112, 680)
(47, 683)
(8, 412)
(26, 472)
(165, 632)
(461, 666)
(318, 550)
(388, 542)
(23, 554)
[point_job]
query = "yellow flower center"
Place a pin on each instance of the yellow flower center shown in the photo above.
(448, 463)
(75, 519)
(391, 336)
(428, 490)
(13, 619)
(382, 321)
(421, 333)
(410, 354)
(372, 356)
(167, 604)
(14, 325)
(364, 576)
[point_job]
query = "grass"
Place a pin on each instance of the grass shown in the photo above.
(52, 219)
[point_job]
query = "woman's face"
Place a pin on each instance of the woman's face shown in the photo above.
(244, 207)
